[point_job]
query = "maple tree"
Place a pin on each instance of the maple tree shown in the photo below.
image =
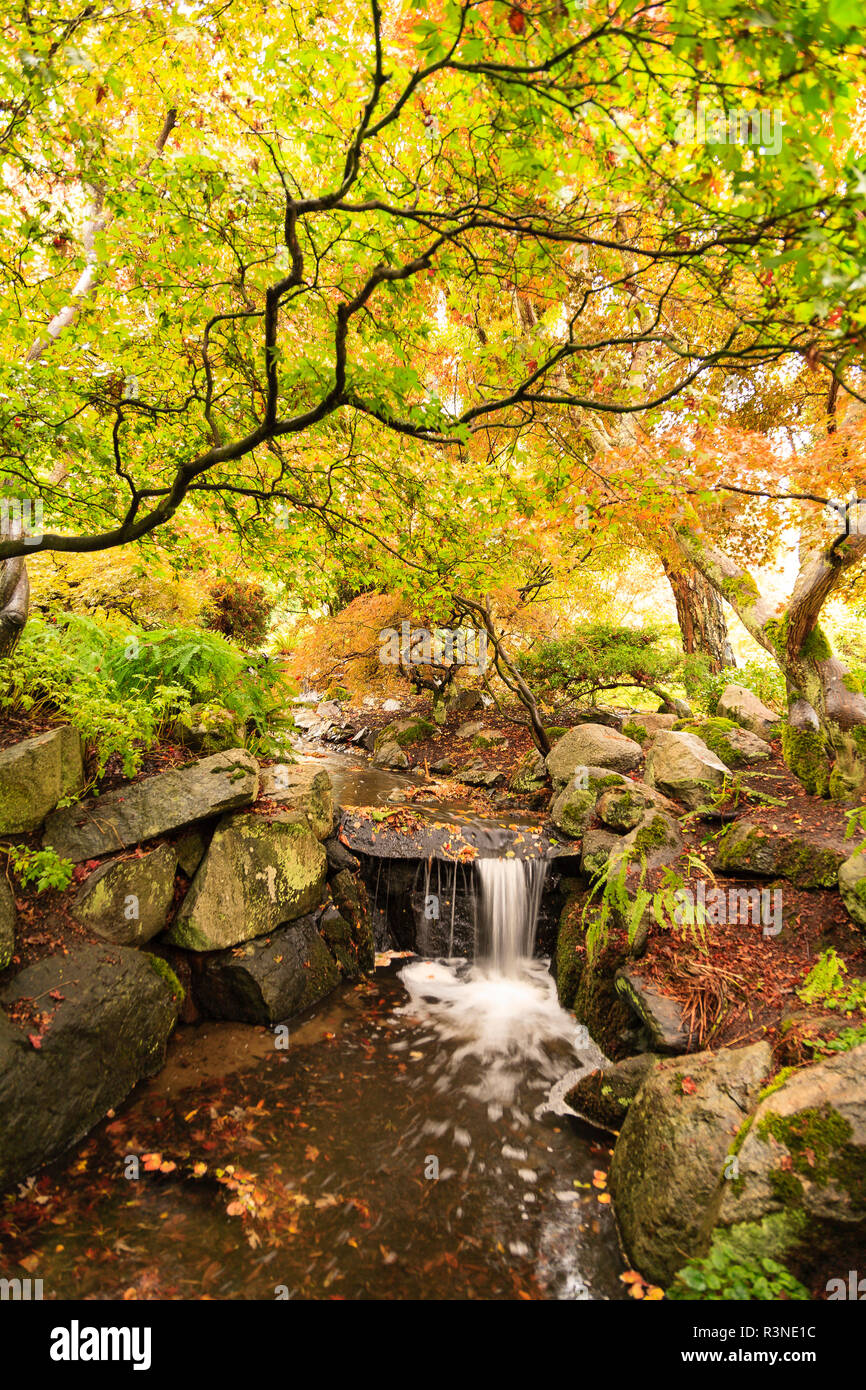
(311, 274)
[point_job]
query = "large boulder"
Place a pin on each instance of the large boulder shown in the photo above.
(852, 886)
(145, 809)
(735, 746)
(350, 897)
(740, 705)
(208, 728)
(591, 745)
(7, 923)
(406, 731)
(112, 1012)
(801, 1164)
(260, 872)
(35, 775)
(683, 767)
(127, 900)
(573, 805)
(668, 1164)
(271, 980)
(304, 789)
(390, 755)
(643, 726)
(530, 774)
(805, 860)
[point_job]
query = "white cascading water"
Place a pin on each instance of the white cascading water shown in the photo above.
(508, 907)
(501, 1009)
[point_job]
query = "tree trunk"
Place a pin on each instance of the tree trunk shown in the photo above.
(14, 602)
(700, 616)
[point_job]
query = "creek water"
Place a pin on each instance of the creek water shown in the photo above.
(405, 1141)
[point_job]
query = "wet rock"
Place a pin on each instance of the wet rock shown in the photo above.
(304, 789)
(390, 755)
(8, 920)
(269, 980)
(350, 897)
(474, 774)
(159, 804)
(127, 900)
(682, 766)
(604, 1096)
(661, 1015)
(852, 886)
(260, 872)
(107, 1031)
(744, 708)
(339, 857)
(806, 862)
(669, 1159)
(35, 774)
(592, 745)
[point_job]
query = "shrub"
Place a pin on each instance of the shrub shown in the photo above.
(238, 608)
(726, 1275)
(600, 657)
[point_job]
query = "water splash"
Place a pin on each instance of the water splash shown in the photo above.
(501, 1009)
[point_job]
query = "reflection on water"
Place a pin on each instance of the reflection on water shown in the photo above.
(379, 1156)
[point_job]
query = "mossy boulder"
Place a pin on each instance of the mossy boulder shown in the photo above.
(604, 1096)
(656, 839)
(573, 809)
(304, 789)
(749, 848)
(734, 746)
(569, 957)
(642, 726)
(597, 847)
(8, 920)
(406, 731)
(350, 896)
(208, 728)
(682, 766)
(591, 745)
(530, 774)
(804, 1155)
(111, 1013)
(35, 775)
(390, 755)
(142, 810)
(127, 900)
(269, 980)
(744, 708)
(624, 807)
(668, 1163)
(852, 886)
(807, 754)
(259, 872)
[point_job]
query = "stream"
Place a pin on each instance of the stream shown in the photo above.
(405, 1140)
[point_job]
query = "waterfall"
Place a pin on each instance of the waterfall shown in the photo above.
(508, 908)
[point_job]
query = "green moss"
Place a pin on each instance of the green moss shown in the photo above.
(818, 1141)
(635, 731)
(650, 837)
(787, 1189)
(555, 732)
(777, 1082)
(852, 684)
(806, 754)
(569, 965)
(165, 972)
(816, 646)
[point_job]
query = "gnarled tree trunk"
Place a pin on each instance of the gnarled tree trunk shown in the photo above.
(14, 602)
(700, 616)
